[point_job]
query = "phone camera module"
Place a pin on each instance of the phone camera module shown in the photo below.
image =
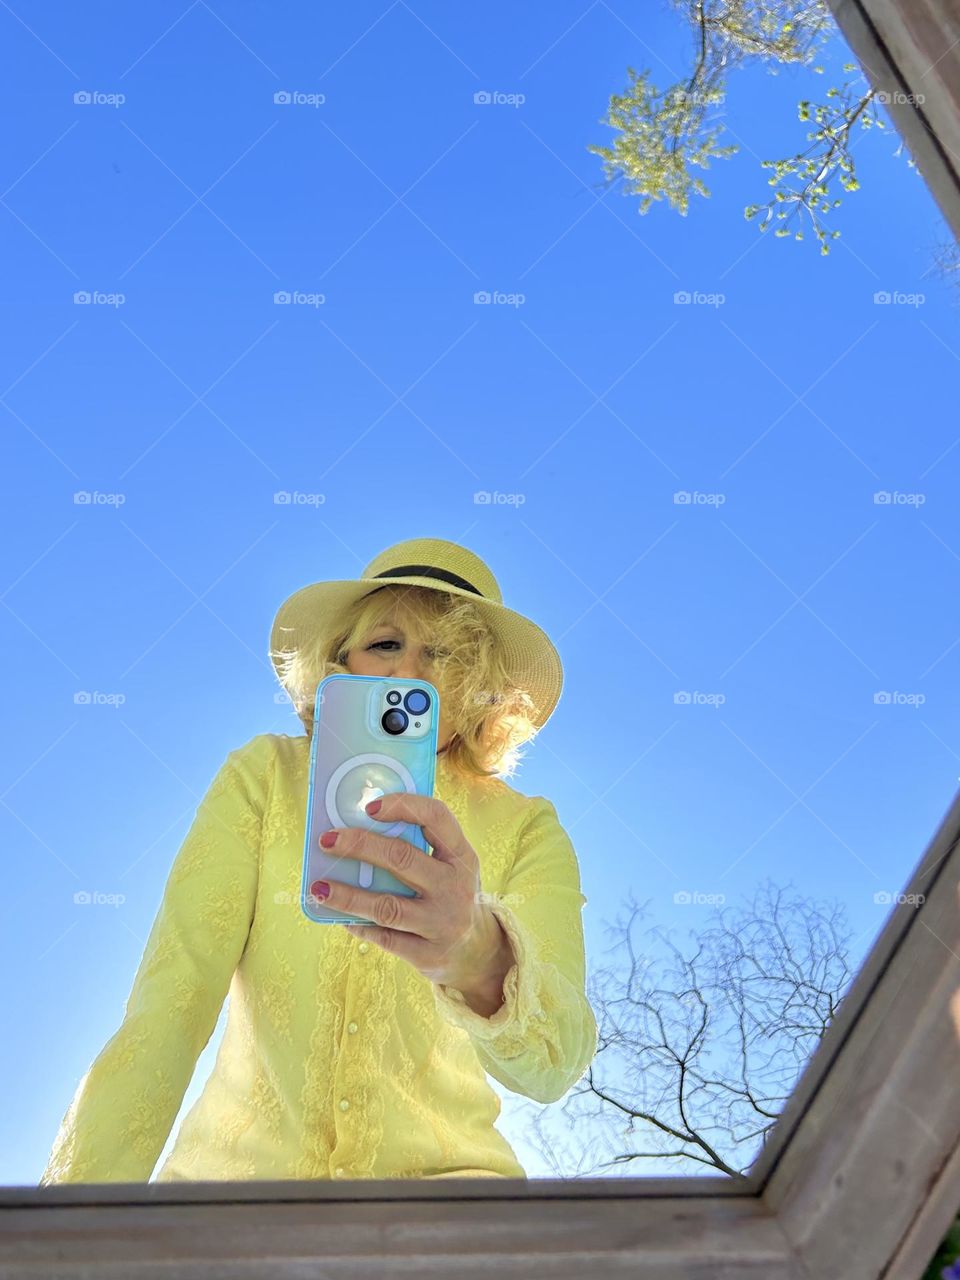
(393, 697)
(394, 721)
(417, 701)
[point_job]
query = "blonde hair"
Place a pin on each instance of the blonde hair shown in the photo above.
(491, 716)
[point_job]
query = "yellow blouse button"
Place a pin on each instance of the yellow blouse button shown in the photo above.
(338, 1172)
(352, 1028)
(364, 947)
(344, 1104)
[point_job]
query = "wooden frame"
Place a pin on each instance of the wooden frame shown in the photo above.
(861, 1177)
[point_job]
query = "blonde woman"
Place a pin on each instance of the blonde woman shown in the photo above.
(359, 1051)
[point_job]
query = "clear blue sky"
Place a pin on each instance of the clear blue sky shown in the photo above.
(397, 398)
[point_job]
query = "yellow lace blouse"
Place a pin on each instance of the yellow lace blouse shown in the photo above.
(338, 1060)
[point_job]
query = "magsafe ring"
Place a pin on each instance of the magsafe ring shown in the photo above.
(356, 782)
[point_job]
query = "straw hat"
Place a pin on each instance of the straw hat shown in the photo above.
(530, 658)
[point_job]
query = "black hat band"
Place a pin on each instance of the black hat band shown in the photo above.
(428, 571)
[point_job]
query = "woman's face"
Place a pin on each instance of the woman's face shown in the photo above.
(388, 652)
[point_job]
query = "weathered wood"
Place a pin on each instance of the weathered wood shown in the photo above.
(908, 48)
(658, 1238)
(932, 1222)
(787, 1136)
(285, 1189)
(881, 1134)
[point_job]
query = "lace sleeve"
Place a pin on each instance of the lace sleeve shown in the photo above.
(544, 1036)
(126, 1103)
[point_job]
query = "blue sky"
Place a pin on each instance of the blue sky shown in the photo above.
(783, 610)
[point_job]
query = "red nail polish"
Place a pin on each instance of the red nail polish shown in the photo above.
(374, 807)
(328, 839)
(320, 889)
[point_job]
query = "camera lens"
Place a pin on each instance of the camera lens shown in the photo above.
(394, 721)
(393, 697)
(417, 701)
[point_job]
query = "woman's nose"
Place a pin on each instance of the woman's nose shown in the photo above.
(407, 669)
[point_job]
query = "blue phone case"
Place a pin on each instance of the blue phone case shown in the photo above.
(353, 760)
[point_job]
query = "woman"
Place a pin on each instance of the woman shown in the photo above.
(359, 1051)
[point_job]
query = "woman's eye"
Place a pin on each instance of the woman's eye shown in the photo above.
(431, 654)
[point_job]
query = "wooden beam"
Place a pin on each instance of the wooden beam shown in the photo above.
(909, 51)
(873, 1169)
(363, 1233)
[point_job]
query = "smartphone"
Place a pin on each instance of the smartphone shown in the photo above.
(371, 737)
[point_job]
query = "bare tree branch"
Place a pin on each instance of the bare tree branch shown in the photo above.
(700, 1045)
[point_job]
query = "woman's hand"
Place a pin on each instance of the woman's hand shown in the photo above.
(446, 932)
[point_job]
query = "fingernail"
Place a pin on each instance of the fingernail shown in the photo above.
(328, 839)
(374, 807)
(320, 889)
